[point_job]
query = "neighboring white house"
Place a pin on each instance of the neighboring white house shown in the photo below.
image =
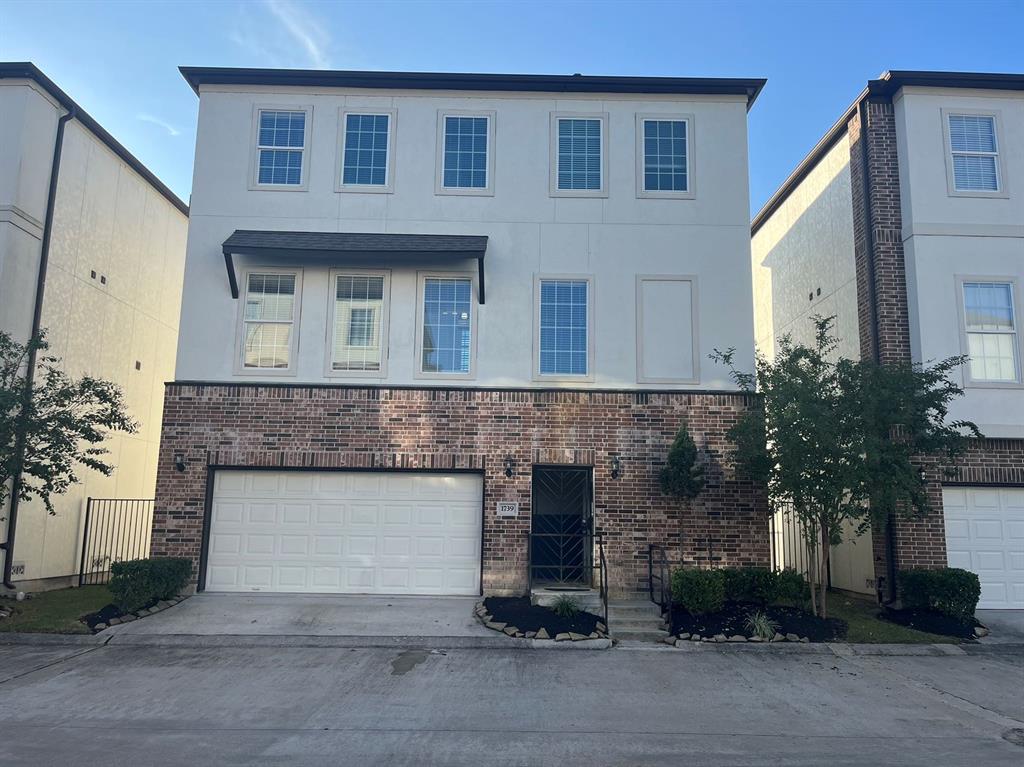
(112, 291)
(436, 248)
(935, 162)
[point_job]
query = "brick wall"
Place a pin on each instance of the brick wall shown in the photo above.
(324, 427)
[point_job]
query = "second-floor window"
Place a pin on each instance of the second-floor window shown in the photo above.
(466, 153)
(359, 322)
(579, 155)
(280, 145)
(563, 327)
(366, 151)
(268, 321)
(990, 325)
(975, 153)
(446, 331)
(664, 146)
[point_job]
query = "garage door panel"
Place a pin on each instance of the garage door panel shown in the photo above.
(258, 544)
(985, 534)
(262, 513)
(228, 512)
(264, 482)
(397, 515)
(362, 545)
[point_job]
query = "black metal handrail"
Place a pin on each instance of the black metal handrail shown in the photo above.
(658, 575)
(597, 566)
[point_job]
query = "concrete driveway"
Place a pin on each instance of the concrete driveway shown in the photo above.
(157, 706)
(236, 617)
(1007, 626)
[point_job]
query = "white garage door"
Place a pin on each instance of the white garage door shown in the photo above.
(345, 532)
(985, 534)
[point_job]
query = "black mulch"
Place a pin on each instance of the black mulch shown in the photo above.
(933, 623)
(105, 613)
(732, 619)
(518, 612)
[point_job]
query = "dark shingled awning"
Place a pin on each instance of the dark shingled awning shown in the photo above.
(421, 248)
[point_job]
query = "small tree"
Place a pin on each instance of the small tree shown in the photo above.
(683, 476)
(840, 438)
(53, 424)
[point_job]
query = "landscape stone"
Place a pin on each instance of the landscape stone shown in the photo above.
(684, 635)
(778, 637)
(737, 638)
(719, 638)
(694, 637)
(114, 621)
(531, 634)
(511, 630)
(980, 631)
(542, 633)
(805, 640)
(601, 627)
(594, 635)
(100, 626)
(681, 642)
(792, 638)
(495, 625)
(755, 639)
(562, 637)
(576, 637)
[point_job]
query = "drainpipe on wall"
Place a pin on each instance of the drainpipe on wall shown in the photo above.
(889, 531)
(37, 314)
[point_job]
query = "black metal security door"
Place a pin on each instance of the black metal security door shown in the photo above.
(561, 527)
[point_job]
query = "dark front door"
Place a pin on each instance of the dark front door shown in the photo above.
(560, 541)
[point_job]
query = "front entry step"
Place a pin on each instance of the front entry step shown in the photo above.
(587, 599)
(636, 620)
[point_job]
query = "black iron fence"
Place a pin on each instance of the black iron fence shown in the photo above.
(563, 560)
(658, 574)
(789, 545)
(116, 530)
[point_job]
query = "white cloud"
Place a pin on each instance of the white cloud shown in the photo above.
(296, 38)
(147, 118)
(305, 30)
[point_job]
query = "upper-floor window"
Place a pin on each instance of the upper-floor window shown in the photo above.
(466, 153)
(268, 321)
(445, 337)
(990, 325)
(359, 322)
(280, 147)
(579, 155)
(366, 150)
(974, 151)
(563, 328)
(663, 149)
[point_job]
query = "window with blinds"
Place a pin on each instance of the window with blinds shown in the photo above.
(975, 153)
(268, 321)
(991, 329)
(359, 315)
(446, 342)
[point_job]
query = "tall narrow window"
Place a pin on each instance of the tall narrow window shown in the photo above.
(279, 146)
(972, 141)
(269, 321)
(564, 327)
(580, 154)
(359, 322)
(991, 329)
(447, 340)
(665, 162)
(367, 139)
(465, 152)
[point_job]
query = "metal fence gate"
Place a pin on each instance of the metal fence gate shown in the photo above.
(116, 530)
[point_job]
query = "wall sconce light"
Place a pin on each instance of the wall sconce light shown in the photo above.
(179, 461)
(616, 467)
(510, 466)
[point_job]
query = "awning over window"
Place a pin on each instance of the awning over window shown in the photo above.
(423, 249)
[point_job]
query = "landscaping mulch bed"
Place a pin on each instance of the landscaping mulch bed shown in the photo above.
(517, 611)
(105, 613)
(933, 623)
(732, 618)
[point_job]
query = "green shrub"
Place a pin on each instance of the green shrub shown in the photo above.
(698, 591)
(947, 590)
(792, 587)
(751, 584)
(139, 582)
(565, 607)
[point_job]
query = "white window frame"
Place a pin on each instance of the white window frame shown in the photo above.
(439, 187)
(293, 349)
(1017, 313)
(339, 166)
(421, 281)
(694, 327)
(553, 175)
(385, 309)
(563, 377)
(1001, 191)
(641, 181)
(254, 155)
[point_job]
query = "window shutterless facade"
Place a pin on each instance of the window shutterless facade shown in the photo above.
(973, 163)
(664, 149)
(281, 140)
(465, 153)
(269, 321)
(579, 155)
(446, 326)
(564, 322)
(358, 323)
(367, 148)
(992, 341)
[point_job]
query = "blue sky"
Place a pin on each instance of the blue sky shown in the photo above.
(119, 59)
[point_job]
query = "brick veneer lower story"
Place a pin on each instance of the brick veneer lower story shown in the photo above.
(431, 428)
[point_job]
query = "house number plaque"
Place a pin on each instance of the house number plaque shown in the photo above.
(508, 508)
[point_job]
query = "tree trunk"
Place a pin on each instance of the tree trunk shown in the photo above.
(812, 571)
(823, 574)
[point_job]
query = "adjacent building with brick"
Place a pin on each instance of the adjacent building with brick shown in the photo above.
(906, 223)
(439, 331)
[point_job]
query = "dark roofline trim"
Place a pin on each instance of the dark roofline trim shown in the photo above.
(28, 71)
(883, 88)
(465, 81)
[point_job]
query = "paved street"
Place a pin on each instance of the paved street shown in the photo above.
(136, 705)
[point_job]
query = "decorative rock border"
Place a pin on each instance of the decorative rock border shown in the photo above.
(685, 640)
(163, 604)
(541, 637)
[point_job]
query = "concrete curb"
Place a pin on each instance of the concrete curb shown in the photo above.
(295, 640)
(20, 638)
(847, 650)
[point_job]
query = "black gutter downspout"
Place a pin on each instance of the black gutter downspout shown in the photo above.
(37, 316)
(876, 353)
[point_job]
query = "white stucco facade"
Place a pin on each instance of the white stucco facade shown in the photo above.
(111, 300)
(611, 239)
